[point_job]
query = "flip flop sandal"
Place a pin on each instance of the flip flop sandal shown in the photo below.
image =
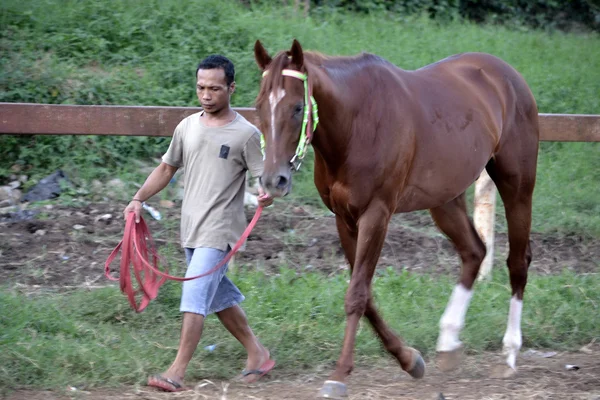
(262, 371)
(166, 384)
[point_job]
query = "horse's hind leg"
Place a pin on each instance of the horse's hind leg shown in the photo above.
(452, 219)
(514, 176)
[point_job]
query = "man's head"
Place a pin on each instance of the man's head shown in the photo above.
(215, 83)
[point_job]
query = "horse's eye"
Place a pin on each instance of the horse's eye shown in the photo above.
(298, 109)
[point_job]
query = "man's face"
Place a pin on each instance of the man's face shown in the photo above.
(212, 90)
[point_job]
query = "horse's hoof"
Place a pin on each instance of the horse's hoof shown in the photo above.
(449, 360)
(503, 372)
(333, 390)
(418, 369)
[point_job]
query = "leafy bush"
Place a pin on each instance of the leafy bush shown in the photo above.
(533, 13)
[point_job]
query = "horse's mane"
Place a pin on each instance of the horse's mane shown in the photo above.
(347, 64)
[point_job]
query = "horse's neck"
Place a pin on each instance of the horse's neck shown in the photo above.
(333, 131)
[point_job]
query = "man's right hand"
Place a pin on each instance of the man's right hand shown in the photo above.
(135, 206)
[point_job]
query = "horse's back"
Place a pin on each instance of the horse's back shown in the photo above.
(468, 108)
(491, 81)
(422, 137)
(520, 128)
(483, 83)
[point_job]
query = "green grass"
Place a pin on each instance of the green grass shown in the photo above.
(144, 53)
(93, 338)
(568, 189)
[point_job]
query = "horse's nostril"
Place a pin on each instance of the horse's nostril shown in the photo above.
(282, 182)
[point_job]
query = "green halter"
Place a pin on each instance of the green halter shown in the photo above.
(305, 134)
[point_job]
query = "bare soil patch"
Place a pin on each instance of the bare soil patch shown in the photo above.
(65, 247)
(537, 378)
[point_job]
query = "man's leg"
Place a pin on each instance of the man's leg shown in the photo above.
(235, 321)
(196, 298)
(191, 331)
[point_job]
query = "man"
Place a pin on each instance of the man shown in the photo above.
(215, 147)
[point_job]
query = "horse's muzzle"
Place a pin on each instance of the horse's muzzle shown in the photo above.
(277, 184)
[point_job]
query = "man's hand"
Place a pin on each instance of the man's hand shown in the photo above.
(135, 206)
(264, 200)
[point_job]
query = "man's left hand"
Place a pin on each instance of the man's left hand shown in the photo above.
(264, 200)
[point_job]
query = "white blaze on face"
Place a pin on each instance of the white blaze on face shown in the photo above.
(274, 99)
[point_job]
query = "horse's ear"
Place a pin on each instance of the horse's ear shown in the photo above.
(263, 59)
(297, 54)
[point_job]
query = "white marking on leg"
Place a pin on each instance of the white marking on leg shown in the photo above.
(512, 338)
(274, 99)
(453, 319)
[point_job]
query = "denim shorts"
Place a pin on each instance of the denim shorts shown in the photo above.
(211, 293)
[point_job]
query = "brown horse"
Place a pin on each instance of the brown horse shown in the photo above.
(393, 141)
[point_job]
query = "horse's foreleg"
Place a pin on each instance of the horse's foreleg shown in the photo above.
(452, 219)
(369, 238)
(410, 360)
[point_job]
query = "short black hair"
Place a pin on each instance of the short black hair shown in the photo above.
(218, 61)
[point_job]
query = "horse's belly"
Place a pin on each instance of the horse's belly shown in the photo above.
(444, 168)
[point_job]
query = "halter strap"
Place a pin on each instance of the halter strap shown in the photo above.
(310, 110)
(294, 74)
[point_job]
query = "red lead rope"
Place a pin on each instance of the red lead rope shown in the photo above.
(136, 246)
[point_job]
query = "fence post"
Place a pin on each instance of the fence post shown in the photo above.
(484, 218)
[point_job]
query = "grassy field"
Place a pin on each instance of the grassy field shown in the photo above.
(144, 53)
(92, 338)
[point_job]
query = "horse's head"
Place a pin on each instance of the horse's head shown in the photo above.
(281, 106)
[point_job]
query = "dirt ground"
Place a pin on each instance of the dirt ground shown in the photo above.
(64, 248)
(537, 378)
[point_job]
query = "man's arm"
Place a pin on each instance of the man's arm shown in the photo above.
(156, 181)
(253, 158)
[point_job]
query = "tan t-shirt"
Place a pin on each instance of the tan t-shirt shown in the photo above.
(214, 161)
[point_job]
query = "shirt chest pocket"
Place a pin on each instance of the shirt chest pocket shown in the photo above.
(220, 152)
(223, 152)
(210, 148)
